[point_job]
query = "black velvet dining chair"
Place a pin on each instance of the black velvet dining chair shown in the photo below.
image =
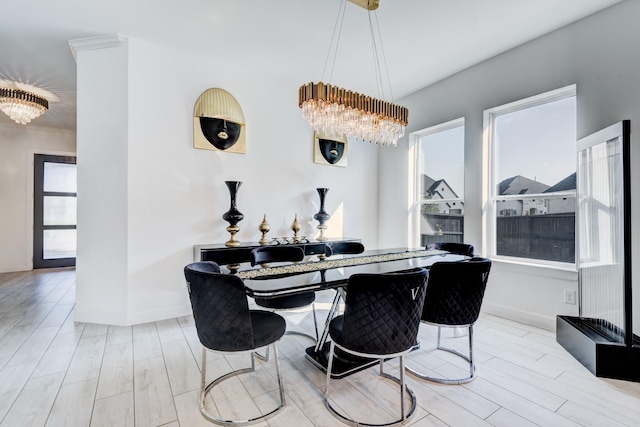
(455, 291)
(338, 248)
(265, 255)
(452, 247)
(226, 325)
(380, 321)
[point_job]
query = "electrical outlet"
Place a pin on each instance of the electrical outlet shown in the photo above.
(569, 296)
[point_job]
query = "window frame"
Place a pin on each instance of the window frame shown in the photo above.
(39, 226)
(416, 196)
(490, 198)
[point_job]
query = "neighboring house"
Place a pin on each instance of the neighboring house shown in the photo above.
(520, 185)
(440, 219)
(539, 206)
(566, 204)
(440, 189)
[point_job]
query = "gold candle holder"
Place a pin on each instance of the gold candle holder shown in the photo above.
(295, 226)
(264, 228)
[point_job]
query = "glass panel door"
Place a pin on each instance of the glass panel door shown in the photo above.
(54, 228)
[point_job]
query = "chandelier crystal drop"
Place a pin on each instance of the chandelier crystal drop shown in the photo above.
(22, 106)
(336, 111)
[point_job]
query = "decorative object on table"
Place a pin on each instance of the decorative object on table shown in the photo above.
(233, 216)
(22, 106)
(330, 150)
(264, 228)
(337, 111)
(218, 122)
(295, 227)
(322, 216)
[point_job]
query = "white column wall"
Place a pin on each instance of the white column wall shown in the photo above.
(18, 144)
(102, 139)
(598, 54)
(171, 196)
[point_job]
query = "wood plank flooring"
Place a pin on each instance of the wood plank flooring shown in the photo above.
(56, 372)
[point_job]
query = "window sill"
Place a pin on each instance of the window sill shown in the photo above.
(557, 271)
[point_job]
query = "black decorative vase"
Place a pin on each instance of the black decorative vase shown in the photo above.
(322, 216)
(233, 216)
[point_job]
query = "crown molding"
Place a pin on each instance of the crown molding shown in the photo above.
(97, 42)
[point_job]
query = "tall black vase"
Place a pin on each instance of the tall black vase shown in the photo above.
(322, 216)
(233, 216)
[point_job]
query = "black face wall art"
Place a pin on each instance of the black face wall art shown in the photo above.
(329, 150)
(332, 151)
(222, 134)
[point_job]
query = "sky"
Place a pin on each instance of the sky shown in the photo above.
(538, 143)
(443, 157)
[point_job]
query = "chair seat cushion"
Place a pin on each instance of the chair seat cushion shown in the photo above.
(288, 301)
(267, 327)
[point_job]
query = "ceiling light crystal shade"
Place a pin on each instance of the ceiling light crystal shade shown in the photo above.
(22, 106)
(337, 111)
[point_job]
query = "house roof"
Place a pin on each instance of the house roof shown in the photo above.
(432, 186)
(521, 185)
(569, 183)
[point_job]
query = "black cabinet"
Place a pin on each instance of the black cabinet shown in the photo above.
(224, 255)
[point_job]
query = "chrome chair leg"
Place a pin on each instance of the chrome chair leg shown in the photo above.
(469, 358)
(205, 389)
(335, 307)
(404, 389)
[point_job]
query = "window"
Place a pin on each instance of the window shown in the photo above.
(439, 183)
(532, 178)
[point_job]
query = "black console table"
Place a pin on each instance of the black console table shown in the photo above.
(224, 255)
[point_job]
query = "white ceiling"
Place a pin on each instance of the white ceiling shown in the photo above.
(423, 40)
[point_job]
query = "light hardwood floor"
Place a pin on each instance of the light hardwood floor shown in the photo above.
(55, 372)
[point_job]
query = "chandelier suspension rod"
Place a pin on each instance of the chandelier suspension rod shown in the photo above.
(336, 30)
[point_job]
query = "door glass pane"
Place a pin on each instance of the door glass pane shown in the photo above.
(59, 210)
(59, 244)
(60, 177)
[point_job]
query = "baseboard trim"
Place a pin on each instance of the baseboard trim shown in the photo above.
(129, 319)
(527, 317)
(14, 268)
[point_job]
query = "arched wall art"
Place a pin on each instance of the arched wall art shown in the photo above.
(218, 122)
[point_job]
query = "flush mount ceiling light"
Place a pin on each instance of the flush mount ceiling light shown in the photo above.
(22, 106)
(336, 111)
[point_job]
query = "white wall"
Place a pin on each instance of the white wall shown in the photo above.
(102, 164)
(18, 144)
(599, 55)
(162, 196)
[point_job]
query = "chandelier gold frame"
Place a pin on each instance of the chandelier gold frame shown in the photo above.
(322, 92)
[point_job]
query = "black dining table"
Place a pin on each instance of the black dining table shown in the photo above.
(315, 274)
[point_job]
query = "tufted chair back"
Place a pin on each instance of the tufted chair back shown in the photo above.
(454, 248)
(266, 254)
(382, 312)
(337, 248)
(455, 291)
